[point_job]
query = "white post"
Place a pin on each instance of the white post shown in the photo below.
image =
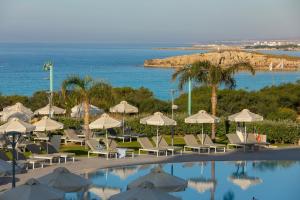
(157, 137)
(202, 135)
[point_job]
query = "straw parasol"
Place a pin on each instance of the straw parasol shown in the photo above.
(33, 190)
(105, 122)
(16, 125)
(158, 119)
(18, 107)
(47, 124)
(18, 110)
(64, 180)
(145, 191)
(104, 192)
(245, 116)
(15, 114)
(78, 111)
(202, 117)
(47, 110)
(161, 180)
(124, 108)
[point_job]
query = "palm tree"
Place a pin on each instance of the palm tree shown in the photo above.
(211, 75)
(82, 87)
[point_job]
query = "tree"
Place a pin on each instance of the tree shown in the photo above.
(82, 87)
(213, 76)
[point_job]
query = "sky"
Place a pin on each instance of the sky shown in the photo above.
(175, 21)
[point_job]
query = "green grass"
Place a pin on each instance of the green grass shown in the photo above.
(77, 149)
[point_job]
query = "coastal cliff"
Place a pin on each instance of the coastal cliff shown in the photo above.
(258, 60)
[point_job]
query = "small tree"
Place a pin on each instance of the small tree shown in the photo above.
(82, 87)
(211, 75)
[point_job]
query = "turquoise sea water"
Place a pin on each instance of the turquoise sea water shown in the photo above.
(119, 64)
(243, 180)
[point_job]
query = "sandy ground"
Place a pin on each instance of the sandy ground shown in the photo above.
(85, 165)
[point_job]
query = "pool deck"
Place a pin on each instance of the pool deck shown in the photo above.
(84, 165)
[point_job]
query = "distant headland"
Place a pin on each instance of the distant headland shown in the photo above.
(260, 61)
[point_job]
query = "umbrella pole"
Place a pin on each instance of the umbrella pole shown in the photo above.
(157, 137)
(106, 137)
(123, 123)
(172, 133)
(46, 141)
(202, 135)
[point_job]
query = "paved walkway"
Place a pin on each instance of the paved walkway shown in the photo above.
(85, 165)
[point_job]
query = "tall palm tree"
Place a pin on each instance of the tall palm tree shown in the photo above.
(211, 75)
(82, 87)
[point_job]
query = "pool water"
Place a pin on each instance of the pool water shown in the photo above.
(211, 180)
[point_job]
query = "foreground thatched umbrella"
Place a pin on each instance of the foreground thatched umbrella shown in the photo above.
(161, 180)
(33, 190)
(124, 108)
(145, 191)
(64, 180)
(158, 119)
(47, 110)
(202, 117)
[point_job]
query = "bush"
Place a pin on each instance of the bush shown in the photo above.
(284, 114)
(71, 123)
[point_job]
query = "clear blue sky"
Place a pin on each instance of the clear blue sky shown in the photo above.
(148, 20)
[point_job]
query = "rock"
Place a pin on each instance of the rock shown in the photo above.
(258, 60)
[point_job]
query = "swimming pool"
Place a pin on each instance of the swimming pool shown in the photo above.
(211, 180)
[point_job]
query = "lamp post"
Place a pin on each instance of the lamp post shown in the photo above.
(190, 97)
(173, 107)
(49, 67)
(13, 137)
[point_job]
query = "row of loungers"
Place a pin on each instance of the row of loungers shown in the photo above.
(37, 156)
(206, 146)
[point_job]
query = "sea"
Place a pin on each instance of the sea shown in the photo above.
(119, 64)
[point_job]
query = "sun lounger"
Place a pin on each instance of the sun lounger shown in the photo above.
(37, 153)
(132, 134)
(163, 144)
(51, 150)
(71, 136)
(22, 161)
(95, 148)
(148, 147)
(207, 141)
(191, 143)
(112, 144)
(31, 161)
(259, 140)
(112, 134)
(3, 141)
(236, 142)
(40, 136)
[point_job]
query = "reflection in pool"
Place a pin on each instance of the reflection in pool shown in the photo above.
(210, 180)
